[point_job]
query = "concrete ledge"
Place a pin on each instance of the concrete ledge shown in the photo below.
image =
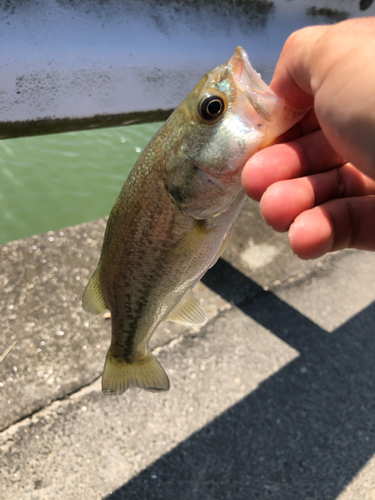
(273, 398)
(59, 348)
(56, 125)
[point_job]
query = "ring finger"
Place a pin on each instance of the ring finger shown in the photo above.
(283, 201)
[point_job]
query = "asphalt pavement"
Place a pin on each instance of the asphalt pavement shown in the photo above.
(274, 398)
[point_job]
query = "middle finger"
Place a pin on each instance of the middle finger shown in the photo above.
(310, 154)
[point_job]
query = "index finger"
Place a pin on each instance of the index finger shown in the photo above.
(292, 77)
(308, 155)
(332, 68)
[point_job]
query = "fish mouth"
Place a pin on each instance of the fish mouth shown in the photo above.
(262, 98)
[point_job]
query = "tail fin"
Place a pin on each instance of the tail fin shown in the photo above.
(146, 373)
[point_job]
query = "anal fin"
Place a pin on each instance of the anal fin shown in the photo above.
(188, 312)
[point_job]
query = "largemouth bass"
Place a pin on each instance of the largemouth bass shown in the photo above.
(174, 214)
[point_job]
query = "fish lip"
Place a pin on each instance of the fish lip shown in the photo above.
(245, 74)
(265, 102)
(240, 61)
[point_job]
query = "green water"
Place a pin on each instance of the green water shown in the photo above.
(54, 181)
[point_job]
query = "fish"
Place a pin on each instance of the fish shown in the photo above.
(174, 214)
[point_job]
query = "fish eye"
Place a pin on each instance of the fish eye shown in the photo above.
(211, 107)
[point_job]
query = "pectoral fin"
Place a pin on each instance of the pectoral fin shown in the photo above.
(93, 301)
(192, 239)
(188, 312)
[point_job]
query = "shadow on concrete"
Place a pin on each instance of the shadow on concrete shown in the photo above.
(303, 434)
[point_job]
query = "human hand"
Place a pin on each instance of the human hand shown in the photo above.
(318, 181)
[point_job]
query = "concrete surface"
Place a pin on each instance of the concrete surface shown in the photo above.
(74, 64)
(272, 399)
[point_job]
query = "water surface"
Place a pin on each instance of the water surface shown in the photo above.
(53, 181)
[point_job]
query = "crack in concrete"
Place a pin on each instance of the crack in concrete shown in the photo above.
(94, 385)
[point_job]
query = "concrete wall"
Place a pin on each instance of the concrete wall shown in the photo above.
(74, 64)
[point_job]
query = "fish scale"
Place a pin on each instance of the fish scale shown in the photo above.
(174, 214)
(134, 260)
